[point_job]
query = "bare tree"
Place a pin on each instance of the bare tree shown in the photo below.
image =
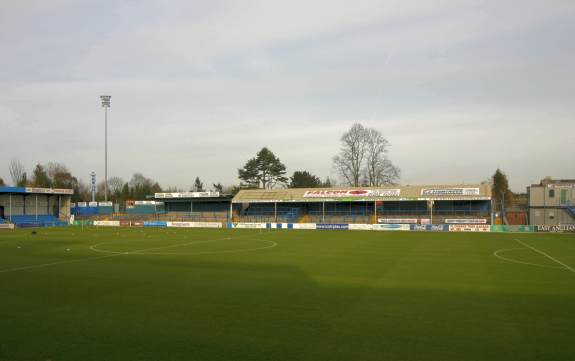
(115, 185)
(379, 170)
(363, 160)
(349, 162)
(18, 173)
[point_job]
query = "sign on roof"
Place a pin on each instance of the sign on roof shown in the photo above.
(352, 193)
(450, 192)
(187, 195)
(49, 190)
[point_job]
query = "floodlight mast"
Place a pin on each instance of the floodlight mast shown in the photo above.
(105, 104)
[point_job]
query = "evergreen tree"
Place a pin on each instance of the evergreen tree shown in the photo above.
(264, 171)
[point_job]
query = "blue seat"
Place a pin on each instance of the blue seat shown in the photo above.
(37, 221)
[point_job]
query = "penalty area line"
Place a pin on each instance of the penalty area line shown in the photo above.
(546, 255)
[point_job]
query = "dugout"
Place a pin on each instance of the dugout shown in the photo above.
(425, 204)
(35, 207)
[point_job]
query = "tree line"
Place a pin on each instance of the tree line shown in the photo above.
(362, 160)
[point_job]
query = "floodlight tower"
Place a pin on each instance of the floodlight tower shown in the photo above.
(105, 105)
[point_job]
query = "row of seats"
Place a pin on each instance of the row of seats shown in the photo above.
(37, 221)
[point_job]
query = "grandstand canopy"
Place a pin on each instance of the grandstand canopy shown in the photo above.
(363, 194)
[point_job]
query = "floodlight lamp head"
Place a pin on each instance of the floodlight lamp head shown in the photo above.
(105, 100)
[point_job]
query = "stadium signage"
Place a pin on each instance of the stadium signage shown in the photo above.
(397, 220)
(6, 226)
(107, 223)
(352, 193)
(49, 190)
(466, 221)
(304, 226)
(82, 204)
(425, 221)
(391, 227)
(332, 226)
(93, 204)
(469, 228)
(187, 195)
(147, 203)
(562, 228)
(450, 192)
(249, 225)
(105, 204)
(155, 224)
(360, 227)
(194, 224)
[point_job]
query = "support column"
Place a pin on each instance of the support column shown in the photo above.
(10, 207)
(36, 206)
(374, 212)
(323, 212)
(275, 212)
(231, 212)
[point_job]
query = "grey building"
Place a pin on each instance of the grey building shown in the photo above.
(552, 202)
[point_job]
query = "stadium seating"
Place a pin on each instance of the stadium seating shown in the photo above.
(37, 221)
(1, 220)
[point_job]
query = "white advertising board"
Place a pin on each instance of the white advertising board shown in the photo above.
(440, 192)
(304, 226)
(398, 220)
(249, 225)
(466, 221)
(469, 228)
(107, 223)
(390, 227)
(360, 227)
(187, 195)
(352, 193)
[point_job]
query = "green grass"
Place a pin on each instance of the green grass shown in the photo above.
(317, 295)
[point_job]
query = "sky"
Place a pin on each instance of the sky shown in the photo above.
(459, 88)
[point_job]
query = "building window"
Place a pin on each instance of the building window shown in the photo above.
(551, 193)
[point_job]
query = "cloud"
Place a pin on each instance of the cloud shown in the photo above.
(198, 87)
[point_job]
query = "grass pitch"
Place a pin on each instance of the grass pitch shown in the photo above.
(163, 294)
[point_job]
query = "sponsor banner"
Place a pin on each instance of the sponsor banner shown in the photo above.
(562, 228)
(391, 227)
(82, 222)
(332, 226)
(352, 193)
(194, 224)
(179, 224)
(466, 221)
(125, 224)
(147, 203)
(439, 192)
(437, 227)
(105, 204)
(155, 224)
(93, 204)
(107, 223)
(187, 195)
(360, 227)
(6, 226)
(504, 228)
(304, 226)
(425, 221)
(137, 224)
(49, 190)
(249, 225)
(418, 227)
(469, 228)
(397, 220)
(81, 204)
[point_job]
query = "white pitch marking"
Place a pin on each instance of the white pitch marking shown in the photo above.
(546, 255)
(497, 254)
(115, 254)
